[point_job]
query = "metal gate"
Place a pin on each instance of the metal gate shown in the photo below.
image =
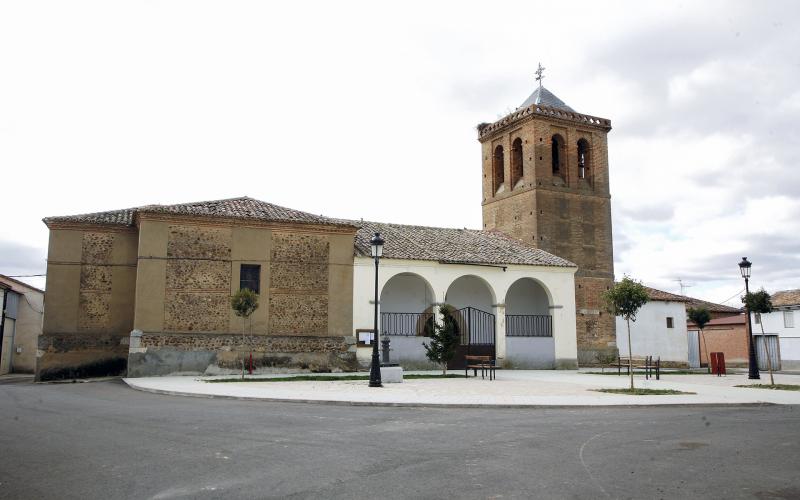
(771, 341)
(477, 329)
(694, 348)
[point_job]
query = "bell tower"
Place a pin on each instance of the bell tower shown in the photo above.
(545, 182)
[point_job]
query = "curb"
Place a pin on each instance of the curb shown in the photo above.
(444, 405)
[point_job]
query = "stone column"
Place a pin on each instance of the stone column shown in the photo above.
(500, 330)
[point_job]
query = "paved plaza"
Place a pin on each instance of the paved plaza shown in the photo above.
(511, 388)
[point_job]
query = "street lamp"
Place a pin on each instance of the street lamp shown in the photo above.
(744, 267)
(375, 369)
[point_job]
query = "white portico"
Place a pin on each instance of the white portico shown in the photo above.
(514, 301)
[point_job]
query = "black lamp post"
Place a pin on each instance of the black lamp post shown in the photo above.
(375, 368)
(744, 267)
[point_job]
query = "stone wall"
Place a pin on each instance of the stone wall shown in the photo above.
(89, 303)
(561, 214)
(188, 272)
(299, 284)
(198, 279)
(163, 354)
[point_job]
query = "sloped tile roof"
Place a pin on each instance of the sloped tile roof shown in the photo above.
(662, 296)
(452, 245)
(232, 208)
(786, 298)
(402, 241)
(711, 306)
(122, 217)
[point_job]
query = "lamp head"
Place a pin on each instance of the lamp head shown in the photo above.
(377, 245)
(744, 267)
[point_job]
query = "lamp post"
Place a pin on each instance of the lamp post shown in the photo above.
(744, 267)
(375, 369)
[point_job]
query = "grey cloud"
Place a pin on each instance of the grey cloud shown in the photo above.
(16, 259)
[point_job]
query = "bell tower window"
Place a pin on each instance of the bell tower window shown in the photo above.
(583, 159)
(557, 152)
(516, 161)
(498, 164)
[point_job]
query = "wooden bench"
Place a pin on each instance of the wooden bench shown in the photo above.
(647, 363)
(482, 363)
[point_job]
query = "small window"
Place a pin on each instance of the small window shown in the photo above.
(758, 318)
(516, 162)
(670, 323)
(250, 277)
(556, 149)
(788, 319)
(498, 166)
(583, 158)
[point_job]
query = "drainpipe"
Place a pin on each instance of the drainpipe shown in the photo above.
(3, 321)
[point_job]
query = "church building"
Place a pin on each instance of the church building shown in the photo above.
(146, 291)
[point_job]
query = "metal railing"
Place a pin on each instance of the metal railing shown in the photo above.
(529, 325)
(476, 326)
(407, 324)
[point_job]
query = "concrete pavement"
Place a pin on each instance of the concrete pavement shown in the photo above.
(512, 388)
(103, 440)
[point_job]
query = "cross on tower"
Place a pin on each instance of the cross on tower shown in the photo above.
(540, 77)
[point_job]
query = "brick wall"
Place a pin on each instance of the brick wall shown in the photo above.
(728, 339)
(561, 214)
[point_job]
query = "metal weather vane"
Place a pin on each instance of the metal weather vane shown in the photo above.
(539, 77)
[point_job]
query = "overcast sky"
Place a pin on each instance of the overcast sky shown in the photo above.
(368, 109)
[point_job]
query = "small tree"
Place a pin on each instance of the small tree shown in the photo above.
(445, 338)
(625, 299)
(700, 316)
(244, 302)
(760, 303)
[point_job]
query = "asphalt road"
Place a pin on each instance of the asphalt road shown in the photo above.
(104, 440)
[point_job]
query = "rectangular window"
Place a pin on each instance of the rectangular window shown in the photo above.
(788, 319)
(250, 277)
(670, 323)
(758, 318)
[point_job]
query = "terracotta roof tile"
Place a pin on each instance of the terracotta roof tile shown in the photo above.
(786, 298)
(402, 241)
(452, 245)
(691, 302)
(233, 208)
(662, 296)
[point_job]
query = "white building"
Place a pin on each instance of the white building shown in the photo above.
(782, 328)
(21, 325)
(659, 329)
(514, 301)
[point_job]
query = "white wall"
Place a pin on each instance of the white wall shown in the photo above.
(406, 293)
(470, 291)
(788, 338)
(559, 282)
(650, 335)
(527, 297)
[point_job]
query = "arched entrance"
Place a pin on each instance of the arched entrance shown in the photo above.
(529, 325)
(528, 310)
(407, 302)
(473, 299)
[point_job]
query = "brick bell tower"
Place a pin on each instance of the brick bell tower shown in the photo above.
(545, 182)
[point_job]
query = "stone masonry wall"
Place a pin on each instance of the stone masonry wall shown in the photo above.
(94, 305)
(198, 279)
(298, 299)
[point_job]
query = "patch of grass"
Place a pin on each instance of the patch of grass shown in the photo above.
(776, 387)
(643, 392)
(326, 378)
